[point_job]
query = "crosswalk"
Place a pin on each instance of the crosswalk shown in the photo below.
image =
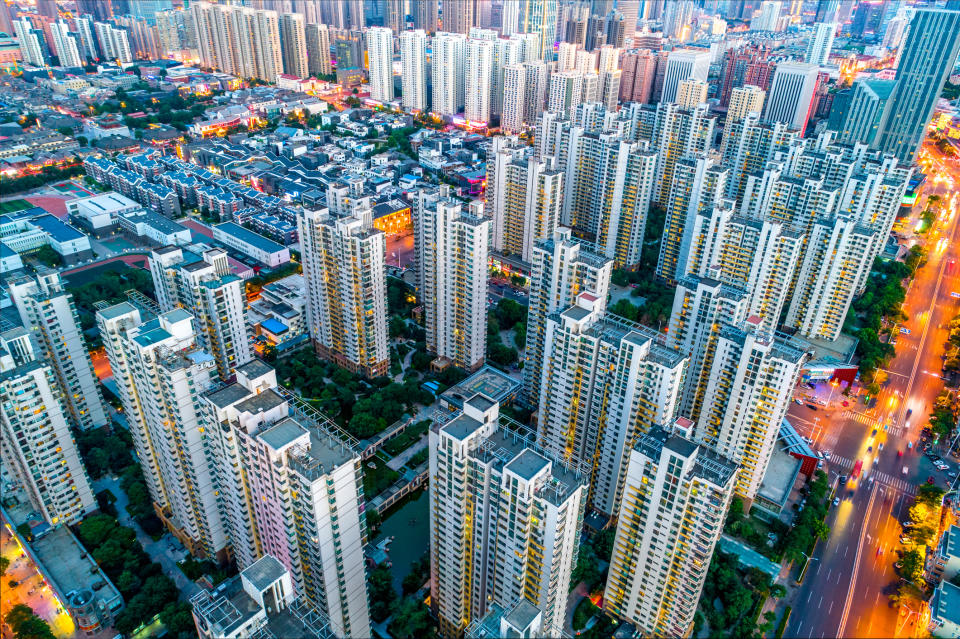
(842, 464)
(870, 420)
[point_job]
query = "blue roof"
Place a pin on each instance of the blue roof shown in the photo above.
(273, 325)
(58, 230)
(251, 238)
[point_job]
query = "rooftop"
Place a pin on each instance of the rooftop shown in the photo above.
(244, 235)
(260, 402)
(283, 433)
(945, 603)
(58, 230)
(228, 395)
(264, 572)
(255, 368)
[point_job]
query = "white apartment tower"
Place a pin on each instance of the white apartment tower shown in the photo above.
(604, 382)
(478, 81)
(691, 92)
(453, 246)
(239, 40)
(677, 134)
(161, 376)
(67, 44)
(217, 299)
(48, 312)
(562, 269)
(343, 265)
(514, 98)
(525, 199)
(748, 389)
(35, 440)
(684, 64)
(821, 41)
(293, 43)
(609, 185)
(380, 58)
(318, 49)
(413, 60)
(33, 48)
(836, 258)
(566, 92)
(675, 501)
(505, 520)
(448, 64)
(291, 486)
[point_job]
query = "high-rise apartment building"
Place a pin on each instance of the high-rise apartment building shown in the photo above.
(537, 17)
(380, 59)
(639, 69)
(161, 376)
(291, 486)
(448, 63)
(926, 58)
(216, 297)
(452, 247)
(604, 382)
(609, 186)
(678, 133)
(33, 47)
(343, 265)
(791, 94)
(698, 184)
(35, 439)
(239, 40)
(675, 501)
(821, 41)
(114, 42)
(293, 44)
(88, 36)
(748, 389)
(413, 60)
(478, 80)
(684, 64)
(769, 18)
(459, 15)
(562, 269)
(318, 49)
(514, 98)
(835, 261)
(68, 45)
(525, 194)
(743, 101)
(566, 92)
(47, 310)
(748, 145)
(758, 256)
(505, 520)
(691, 92)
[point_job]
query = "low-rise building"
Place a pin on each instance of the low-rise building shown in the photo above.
(945, 611)
(154, 228)
(99, 214)
(251, 244)
(259, 602)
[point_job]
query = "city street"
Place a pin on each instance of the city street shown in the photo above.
(846, 590)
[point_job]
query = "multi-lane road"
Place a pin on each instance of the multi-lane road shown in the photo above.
(845, 592)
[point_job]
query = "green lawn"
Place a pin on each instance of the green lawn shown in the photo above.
(378, 478)
(406, 439)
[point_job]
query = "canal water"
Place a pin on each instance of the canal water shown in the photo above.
(410, 528)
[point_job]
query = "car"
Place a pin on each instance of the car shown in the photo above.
(909, 445)
(880, 447)
(826, 455)
(898, 565)
(909, 413)
(771, 536)
(820, 455)
(951, 474)
(836, 501)
(811, 407)
(808, 440)
(843, 479)
(869, 449)
(906, 523)
(798, 401)
(905, 540)
(876, 460)
(874, 433)
(820, 464)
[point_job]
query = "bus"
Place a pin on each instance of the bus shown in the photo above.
(856, 469)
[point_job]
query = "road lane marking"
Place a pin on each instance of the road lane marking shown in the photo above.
(856, 564)
(820, 603)
(830, 612)
(810, 594)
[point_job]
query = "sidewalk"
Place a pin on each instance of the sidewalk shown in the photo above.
(160, 551)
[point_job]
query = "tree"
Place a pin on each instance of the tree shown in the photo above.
(382, 594)
(911, 566)
(411, 619)
(26, 625)
(4, 564)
